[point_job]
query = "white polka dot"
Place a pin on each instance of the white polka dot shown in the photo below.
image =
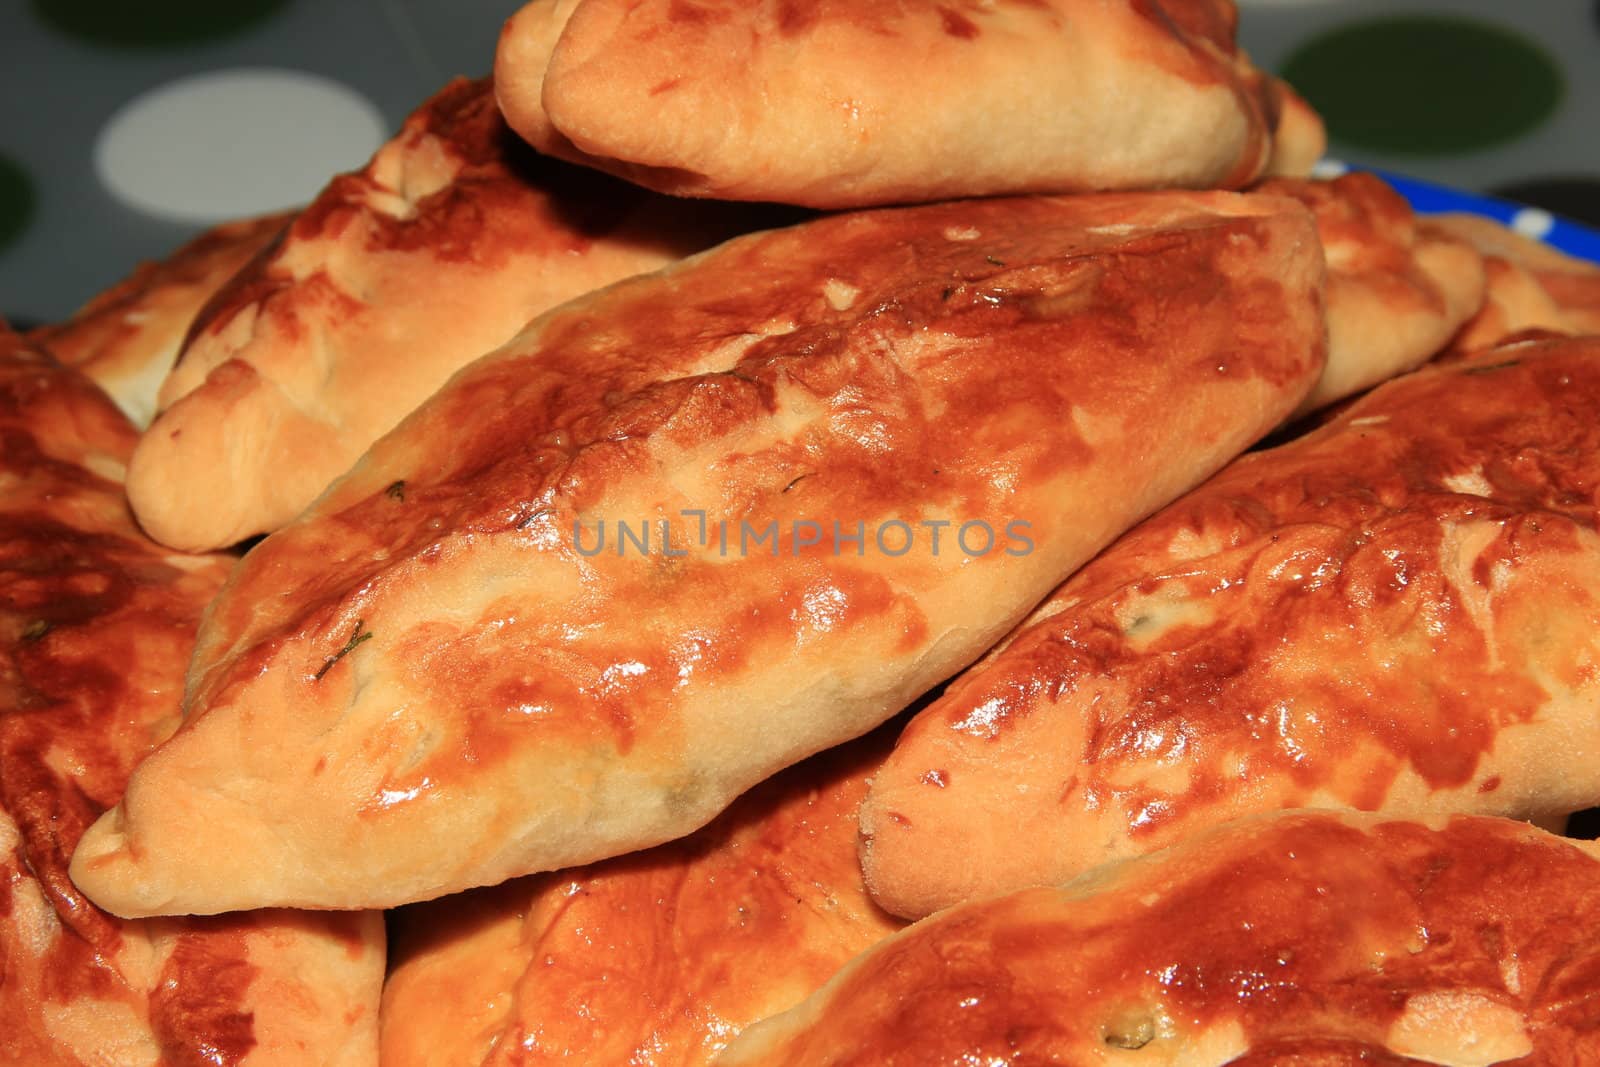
(236, 142)
(1533, 222)
(1329, 169)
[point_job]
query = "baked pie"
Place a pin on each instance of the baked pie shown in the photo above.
(395, 277)
(440, 676)
(838, 104)
(1397, 611)
(96, 624)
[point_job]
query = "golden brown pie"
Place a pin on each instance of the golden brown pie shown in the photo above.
(446, 244)
(439, 677)
(1312, 939)
(1399, 611)
(834, 103)
(96, 623)
(659, 957)
(1397, 291)
(127, 338)
(1531, 285)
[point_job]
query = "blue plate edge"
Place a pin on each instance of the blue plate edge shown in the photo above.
(1428, 198)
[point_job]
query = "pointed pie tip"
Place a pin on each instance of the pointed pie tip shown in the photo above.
(106, 868)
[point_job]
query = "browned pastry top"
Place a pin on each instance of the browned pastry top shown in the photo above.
(1302, 938)
(925, 279)
(658, 957)
(465, 197)
(91, 620)
(493, 477)
(1397, 290)
(96, 626)
(1396, 611)
(984, 360)
(446, 243)
(901, 102)
(1367, 228)
(1396, 478)
(1532, 286)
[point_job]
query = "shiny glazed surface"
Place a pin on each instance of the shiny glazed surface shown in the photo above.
(1302, 938)
(442, 247)
(657, 958)
(1398, 289)
(83, 597)
(96, 626)
(1397, 611)
(991, 361)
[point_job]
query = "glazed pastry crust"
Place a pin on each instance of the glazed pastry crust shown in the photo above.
(672, 950)
(521, 705)
(1397, 291)
(1531, 286)
(127, 338)
(396, 276)
(1311, 939)
(898, 102)
(95, 630)
(1398, 611)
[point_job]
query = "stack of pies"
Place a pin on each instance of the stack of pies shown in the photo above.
(767, 559)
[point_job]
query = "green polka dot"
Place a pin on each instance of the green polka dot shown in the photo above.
(153, 23)
(1426, 85)
(16, 201)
